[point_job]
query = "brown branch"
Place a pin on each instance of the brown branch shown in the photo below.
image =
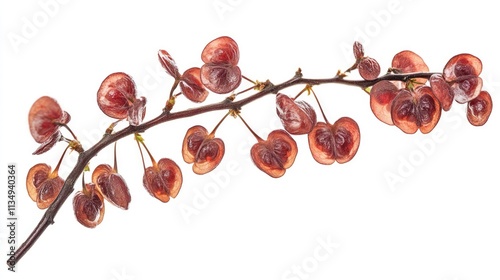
(166, 116)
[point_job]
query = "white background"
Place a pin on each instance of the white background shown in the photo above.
(440, 221)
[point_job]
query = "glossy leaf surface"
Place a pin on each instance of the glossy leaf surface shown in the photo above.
(297, 117)
(45, 117)
(276, 154)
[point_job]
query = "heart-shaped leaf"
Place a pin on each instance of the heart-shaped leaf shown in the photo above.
(220, 72)
(276, 154)
(163, 180)
(201, 149)
(418, 109)
(88, 206)
(334, 142)
(43, 185)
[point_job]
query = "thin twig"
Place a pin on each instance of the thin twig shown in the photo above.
(166, 116)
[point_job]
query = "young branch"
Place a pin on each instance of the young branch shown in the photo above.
(166, 116)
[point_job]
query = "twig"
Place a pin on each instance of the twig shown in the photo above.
(166, 116)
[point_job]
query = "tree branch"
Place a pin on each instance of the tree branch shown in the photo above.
(166, 116)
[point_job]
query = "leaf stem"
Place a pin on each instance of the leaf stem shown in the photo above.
(115, 163)
(56, 169)
(319, 104)
(140, 140)
(212, 134)
(259, 139)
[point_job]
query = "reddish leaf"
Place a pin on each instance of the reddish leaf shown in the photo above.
(163, 180)
(462, 71)
(48, 144)
(346, 138)
(276, 154)
(45, 117)
(415, 110)
(297, 117)
(358, 50)
(466, 88)
(191, 85)
(479, 109)
(442, 91)
(168, 63)
(220, 78)
(381, 96)
(43, 185)
(220, 72)
(209, 155)
(88, 206)
(116, 95)
(462, 65)
(137, 111)
(338, 142)
(201, 149)
(409, 62)
(368, 68)
(36, 176)
(222, 50)
(192, 141)
(112, 185)
(48, 191)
